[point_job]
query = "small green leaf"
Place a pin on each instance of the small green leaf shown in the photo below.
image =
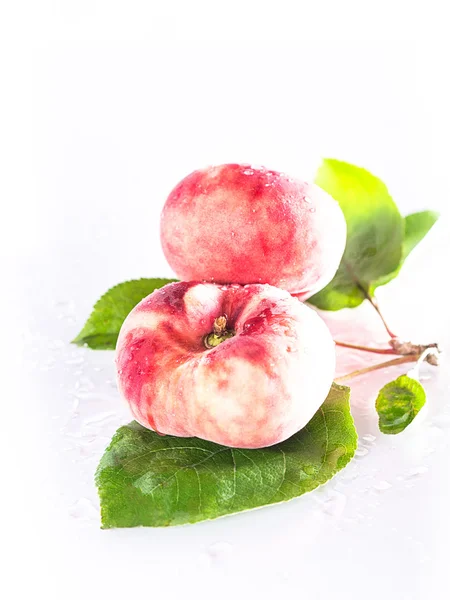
(102, 328)
(417, 225)
(398, 403)
(152, 480)
(375, 231)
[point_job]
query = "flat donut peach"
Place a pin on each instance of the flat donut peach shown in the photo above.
(243, 366)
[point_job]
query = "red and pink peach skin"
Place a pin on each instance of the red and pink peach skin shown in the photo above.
(242, 224)
(251, 390)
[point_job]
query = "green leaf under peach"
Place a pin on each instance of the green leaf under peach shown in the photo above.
(147, 479)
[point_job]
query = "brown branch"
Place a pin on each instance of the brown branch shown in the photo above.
(374, 303)
(389, 363)
(368, 297)
(365, 348)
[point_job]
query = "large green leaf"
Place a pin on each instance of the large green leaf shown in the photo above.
(152, 480)
(375, 231)
(102, 328)
(398, 403)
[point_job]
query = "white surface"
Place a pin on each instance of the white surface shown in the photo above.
(105, 110)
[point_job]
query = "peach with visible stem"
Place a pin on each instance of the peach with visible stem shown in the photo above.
(241, 224)
(244, 366)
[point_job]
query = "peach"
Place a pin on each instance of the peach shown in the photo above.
(241, 224)
(244, 366)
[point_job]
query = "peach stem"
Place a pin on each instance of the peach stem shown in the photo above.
(220, 325)
(219, 334)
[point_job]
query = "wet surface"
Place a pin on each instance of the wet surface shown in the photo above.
(389, 501)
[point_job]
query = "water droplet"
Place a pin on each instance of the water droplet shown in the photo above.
(232, 234)
(220, 550)
(75, 406)
(334, 506)
(369, 438)
(83, 509)
(68, 305)
(308, 200)
(85, 384)
(361, 452)
(248, 171)
(312, 210)
(77, 360)
(348, 475)
(48, 364)
(309, 470)
(101, 418)
(416, 472)
(56, 345)
(382, 486)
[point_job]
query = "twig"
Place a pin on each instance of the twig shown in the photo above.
(368, 297)
(365, 348)
(389, 363)
(374, 303)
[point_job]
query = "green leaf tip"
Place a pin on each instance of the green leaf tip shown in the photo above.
(417, 225)
(145, 479)
(398, 403)
(101, 330)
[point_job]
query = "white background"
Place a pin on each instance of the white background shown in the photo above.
(104, 107)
